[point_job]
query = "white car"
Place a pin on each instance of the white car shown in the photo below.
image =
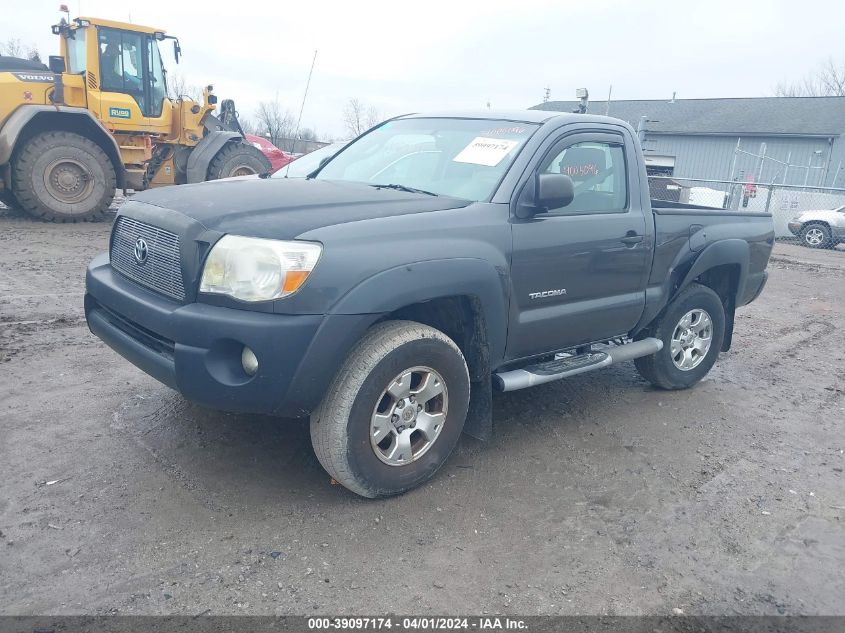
(821, 228)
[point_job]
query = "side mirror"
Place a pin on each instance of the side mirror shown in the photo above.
(553, 191)
(177, 50)
(57, 64)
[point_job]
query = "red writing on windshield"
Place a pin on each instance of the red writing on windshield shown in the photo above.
(588, 169)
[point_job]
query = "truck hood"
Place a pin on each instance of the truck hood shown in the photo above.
(280, 208)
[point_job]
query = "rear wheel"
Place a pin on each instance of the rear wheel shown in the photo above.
(394, 411)
(63, 177)
(816, 235)
(692, 329)
(238, 159)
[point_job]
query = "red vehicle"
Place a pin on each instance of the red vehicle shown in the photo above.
(277, 157)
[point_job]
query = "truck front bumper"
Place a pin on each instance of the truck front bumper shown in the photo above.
(196, 348)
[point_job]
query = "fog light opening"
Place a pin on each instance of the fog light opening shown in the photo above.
(249, 361)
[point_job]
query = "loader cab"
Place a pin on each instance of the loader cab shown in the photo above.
(130, 64)
(125, 80)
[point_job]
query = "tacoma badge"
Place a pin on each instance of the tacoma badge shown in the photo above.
(547, 293)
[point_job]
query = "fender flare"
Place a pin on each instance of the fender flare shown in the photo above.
(408, 284)
(422, 281)
(20, 118)
(730, 251)
(204, 152)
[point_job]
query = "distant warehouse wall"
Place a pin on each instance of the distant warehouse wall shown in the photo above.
(713, 157)
(787, 140)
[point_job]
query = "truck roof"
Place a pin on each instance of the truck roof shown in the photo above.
(523, 116)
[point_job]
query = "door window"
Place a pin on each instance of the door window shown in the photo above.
(158, 86)
(598, 173)
(120, 61)
(123, 60)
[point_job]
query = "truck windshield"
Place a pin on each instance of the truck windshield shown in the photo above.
(462, 158)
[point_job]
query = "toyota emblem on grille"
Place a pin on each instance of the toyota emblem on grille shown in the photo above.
(141, 251)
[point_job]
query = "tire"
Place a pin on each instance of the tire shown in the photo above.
(238, 159)
(63, 177)
(816, 235)
(661, 369)
(341, 427)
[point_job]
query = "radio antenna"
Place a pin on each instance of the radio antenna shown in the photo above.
(301, 108)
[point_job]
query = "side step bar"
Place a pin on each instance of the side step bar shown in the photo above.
(573, 365)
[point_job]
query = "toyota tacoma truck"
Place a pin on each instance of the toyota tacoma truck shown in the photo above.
(432, 260)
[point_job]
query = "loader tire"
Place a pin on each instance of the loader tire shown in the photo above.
(63, 177)
(238, 159)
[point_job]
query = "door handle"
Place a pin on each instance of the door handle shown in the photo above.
(631, 238)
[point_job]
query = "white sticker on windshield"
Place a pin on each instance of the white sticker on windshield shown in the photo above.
(485, 151)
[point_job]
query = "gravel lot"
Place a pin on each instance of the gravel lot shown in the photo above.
(596, 495)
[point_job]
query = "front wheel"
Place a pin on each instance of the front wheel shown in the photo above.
(238, 159)
(692, 329)
(395, 410)
(63, 177)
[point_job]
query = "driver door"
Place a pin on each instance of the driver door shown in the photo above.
(578, 271)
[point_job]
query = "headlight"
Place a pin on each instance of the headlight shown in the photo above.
(253, 269)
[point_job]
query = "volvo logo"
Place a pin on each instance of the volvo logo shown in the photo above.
(141, 251)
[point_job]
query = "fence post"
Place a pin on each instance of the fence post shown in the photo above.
(735, 196)
(769, 198)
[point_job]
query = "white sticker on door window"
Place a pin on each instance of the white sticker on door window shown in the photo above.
(485, 151)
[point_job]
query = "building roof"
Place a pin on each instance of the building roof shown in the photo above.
(763, 116)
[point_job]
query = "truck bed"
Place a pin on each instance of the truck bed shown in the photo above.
(683, 232)
(670, 207)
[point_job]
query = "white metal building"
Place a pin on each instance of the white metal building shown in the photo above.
(800, 137)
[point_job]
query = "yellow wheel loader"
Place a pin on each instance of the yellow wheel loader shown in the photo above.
(98, 118)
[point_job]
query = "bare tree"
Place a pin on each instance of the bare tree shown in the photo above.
(828, 80)
(13, 47)
(832, 77)
(308, 134)
(274, 123)
(178, 86)
(359, 117)
(248, 125)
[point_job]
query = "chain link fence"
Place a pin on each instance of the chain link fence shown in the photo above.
(815, 216)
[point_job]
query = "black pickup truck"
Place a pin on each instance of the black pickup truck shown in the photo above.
(432, 260)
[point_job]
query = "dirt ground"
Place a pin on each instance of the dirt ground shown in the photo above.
(597, 495)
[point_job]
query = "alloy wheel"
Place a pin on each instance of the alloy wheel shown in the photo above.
(409, 416)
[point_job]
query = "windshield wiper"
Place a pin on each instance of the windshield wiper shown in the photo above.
(405, 188)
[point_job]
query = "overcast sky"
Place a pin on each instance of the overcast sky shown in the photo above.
(434, 55)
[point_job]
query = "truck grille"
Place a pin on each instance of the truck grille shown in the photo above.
(161, 271)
